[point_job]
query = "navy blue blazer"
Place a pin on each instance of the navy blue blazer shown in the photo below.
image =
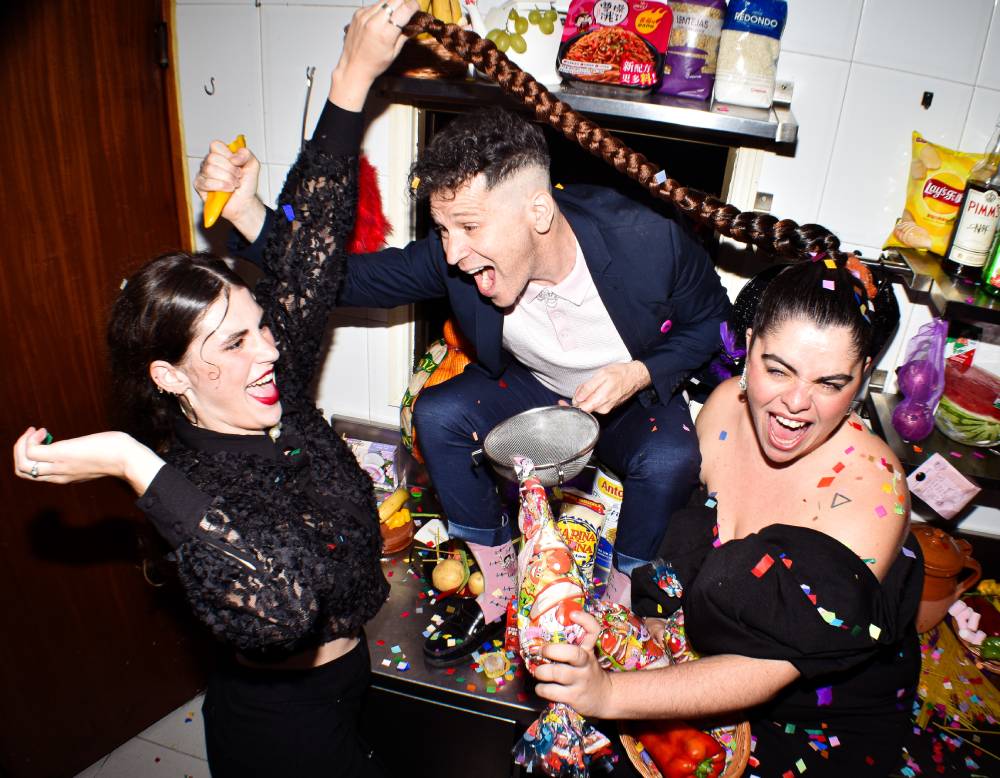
(647, 270)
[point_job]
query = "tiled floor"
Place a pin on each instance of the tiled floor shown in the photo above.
(173, 747)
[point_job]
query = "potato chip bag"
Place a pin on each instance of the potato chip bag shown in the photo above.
(933, 196)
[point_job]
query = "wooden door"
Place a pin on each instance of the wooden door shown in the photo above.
(90, 653)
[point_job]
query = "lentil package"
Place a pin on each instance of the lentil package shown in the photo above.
(689, 67)
(748, 52)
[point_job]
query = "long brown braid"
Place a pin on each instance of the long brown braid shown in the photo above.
(782, 237)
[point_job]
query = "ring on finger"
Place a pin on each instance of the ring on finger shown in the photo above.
(34, 470)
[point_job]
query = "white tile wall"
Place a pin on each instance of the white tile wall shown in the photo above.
(294, 38)
(984, 113)
(221, 43)
(943, 40)
(822, 28)
(989, 69)
(866, 188)
(797, 182)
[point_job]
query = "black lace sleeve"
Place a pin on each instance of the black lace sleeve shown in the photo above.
(303, 263)
(255, 601)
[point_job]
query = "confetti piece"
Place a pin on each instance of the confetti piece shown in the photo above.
(660, 178)
(874, 631)
(723, 435)
(415, 183)
(560, 186)
(827, 284)
(849, 449)
(502, 384)
(824, 482)
(918, 450)
(830, 264)
(978, 455)
(839, 499)
(880, 511)
(763, 565)
(665, 327)
(907, 552)
(869, 561)
(887, 487)
(289, 212)
(838, 467)
(685, 427)
(955, 454)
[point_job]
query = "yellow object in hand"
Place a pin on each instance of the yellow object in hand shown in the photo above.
(216, 201)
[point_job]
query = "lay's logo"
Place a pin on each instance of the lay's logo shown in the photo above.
(936, 189)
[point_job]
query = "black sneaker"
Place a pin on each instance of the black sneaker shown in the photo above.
(459, 635)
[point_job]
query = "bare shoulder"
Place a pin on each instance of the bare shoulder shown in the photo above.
(866, 504)
(720, 409)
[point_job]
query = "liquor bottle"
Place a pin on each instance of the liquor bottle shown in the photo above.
(991, 270)
(977, 216)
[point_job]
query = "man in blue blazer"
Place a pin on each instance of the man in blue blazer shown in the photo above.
(576, 295)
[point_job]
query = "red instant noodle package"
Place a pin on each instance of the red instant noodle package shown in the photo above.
(615, 42)
(560, 742)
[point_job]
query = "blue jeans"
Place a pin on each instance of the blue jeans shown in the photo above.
(658, 469)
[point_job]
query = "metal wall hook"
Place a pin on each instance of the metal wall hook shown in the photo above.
(208, 91)
(310, 72)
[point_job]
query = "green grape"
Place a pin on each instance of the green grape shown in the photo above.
(552, 15)
(502, 41)
(520, 26)
(492, 35)
(534, 16)
(512, 15)
(546, 27)
(517, 43)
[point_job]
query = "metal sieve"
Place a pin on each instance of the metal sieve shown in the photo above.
(557, 438)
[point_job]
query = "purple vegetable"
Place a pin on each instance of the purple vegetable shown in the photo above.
(912, 420)
(918, 380)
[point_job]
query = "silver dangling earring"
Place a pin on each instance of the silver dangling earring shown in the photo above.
(743, 379)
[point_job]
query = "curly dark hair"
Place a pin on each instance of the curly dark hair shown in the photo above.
(155, 317)
(491, 141)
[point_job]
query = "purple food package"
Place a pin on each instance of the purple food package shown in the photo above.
(689, 66)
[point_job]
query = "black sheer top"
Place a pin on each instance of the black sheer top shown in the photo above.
(277, 541)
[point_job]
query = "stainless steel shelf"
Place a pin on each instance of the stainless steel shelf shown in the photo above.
(947, 297)
(660, 115)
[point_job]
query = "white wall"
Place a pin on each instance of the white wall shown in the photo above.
(860, 69)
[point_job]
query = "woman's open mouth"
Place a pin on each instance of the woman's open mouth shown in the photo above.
(784, 432)
(264, 390)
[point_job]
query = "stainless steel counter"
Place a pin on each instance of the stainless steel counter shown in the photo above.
(395, 641)
(660, 115)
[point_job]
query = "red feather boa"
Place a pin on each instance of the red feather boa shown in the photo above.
(370, 227)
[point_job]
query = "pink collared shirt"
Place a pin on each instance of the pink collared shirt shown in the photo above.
(563, 333)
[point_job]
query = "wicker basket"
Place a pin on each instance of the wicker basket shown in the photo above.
(738, 753)
(988, 664)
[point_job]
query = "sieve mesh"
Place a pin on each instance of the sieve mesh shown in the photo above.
(557, 438)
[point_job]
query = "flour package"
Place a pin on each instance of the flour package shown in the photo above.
(689, 67)
(748, 52)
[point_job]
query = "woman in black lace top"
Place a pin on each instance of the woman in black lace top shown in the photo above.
(272, 520)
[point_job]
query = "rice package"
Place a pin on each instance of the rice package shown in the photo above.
(615, 42)
(933, 196)
(693, 51)
(748, 52)
(560, 742)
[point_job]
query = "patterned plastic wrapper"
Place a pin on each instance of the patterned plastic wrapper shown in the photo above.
(560, 742)
(624, 643)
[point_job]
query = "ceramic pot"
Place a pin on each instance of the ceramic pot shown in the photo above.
(949, 570)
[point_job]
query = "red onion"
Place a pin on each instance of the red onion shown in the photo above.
(912, 420)
(918, 380)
